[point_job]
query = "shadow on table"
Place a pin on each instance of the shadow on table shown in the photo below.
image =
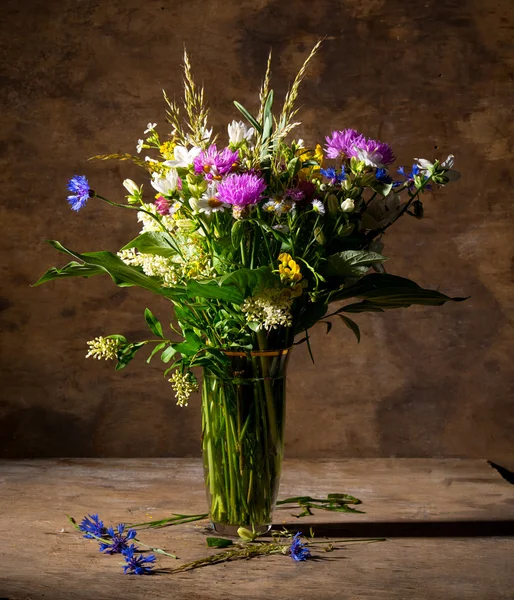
(406, 529)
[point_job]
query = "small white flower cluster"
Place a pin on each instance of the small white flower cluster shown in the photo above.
(153, 265)
(269, 309)
(105, 348)
(183, 384)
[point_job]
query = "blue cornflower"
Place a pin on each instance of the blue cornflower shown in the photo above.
(382, 176)
(81, 192)
(415, 172)
(119, 542)
(331, 174)
(136, 564)
(92, 524)
(298, 551)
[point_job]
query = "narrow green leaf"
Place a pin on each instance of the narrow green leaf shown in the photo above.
(155, 350)
(351, 325)
(153, 324)
(248, 117)
(215, 542)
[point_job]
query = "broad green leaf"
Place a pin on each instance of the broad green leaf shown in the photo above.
(352, 262)
(168, 354)
(122, 274)
(383, 291)
(153, 242)
(153, 324)
(248, 280)
(212, 290)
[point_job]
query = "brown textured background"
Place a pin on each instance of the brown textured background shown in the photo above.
(81, 77)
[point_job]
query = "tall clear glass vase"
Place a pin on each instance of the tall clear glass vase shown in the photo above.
(243, 439)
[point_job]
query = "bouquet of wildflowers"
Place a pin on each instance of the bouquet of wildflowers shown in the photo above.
(252, 238)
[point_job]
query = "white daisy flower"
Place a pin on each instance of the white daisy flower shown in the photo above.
(209, 203)
(318, 206)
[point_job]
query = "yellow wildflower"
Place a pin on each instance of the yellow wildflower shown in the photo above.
(167, 149)
(288, 268)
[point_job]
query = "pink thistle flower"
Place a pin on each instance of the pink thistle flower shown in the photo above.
(241, 189)
(213, 164)
(341, 144)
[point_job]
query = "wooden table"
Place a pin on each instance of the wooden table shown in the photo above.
(449, 525)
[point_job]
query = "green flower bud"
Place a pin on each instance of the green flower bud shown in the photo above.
(319, 236)
(344, 230)
(333, 205)
(246, 534)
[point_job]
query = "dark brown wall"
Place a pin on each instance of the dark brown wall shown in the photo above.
(431, 77)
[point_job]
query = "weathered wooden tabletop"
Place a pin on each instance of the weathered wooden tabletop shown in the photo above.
(449, 524)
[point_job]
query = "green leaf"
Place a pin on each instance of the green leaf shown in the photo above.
(352, 262)
(72, 269)
(310, 315)
(236, 233)
(153, 242)
(353, 326)
(294, 166)
(248, 117)
(215, 542)
(382, 291)
(248, 280)
(155, 350)
(122, 274)
(211, 290)
(153, 324)
(168, 354)
(126, 354)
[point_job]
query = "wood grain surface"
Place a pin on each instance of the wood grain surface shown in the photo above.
(448, 523)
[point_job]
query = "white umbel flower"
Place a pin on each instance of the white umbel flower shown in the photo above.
(101, 347)
(238, 132)
(269, 309)
(140, 145)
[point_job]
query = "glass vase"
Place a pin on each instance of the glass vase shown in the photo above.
(243, 439)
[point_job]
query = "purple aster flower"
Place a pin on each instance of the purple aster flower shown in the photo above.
(241, 189)
(332, 176)
(119, 541)
(213, 164)
(298, 551)
(81, 192)
(341, 144)
(92, 525)
(137, 565)
(373, 152)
